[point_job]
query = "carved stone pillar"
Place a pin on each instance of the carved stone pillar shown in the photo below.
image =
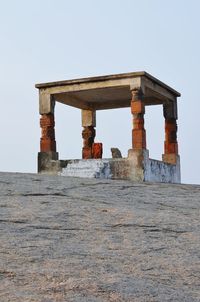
(47, 152)
(138, 110)
(171, 144)
(88, 133)
(47, 141)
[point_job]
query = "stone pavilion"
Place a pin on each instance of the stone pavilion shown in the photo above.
(135, 90)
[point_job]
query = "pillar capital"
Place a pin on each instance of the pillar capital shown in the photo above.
(46, 103)
(88, 118)
(137, 103)
(170, 110)
(137, 94)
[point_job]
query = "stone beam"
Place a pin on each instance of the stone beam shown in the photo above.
(46, 103)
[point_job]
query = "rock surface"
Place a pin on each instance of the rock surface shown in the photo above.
(70, 239)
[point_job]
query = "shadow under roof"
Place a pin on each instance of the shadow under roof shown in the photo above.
(108, 92)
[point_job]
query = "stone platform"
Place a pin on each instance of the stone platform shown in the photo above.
(138, 167)
(72, 239)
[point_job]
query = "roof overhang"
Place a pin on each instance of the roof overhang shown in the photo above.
(108, 92)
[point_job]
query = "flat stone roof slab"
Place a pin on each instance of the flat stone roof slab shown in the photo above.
(108, 92)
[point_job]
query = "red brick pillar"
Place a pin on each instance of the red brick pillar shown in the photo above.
(171, 145)
(47, 141)
(138, 110)
(88, 135)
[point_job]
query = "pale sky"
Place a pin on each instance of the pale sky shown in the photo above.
(50, 40)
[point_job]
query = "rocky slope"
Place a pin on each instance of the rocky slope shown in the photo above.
(68, 239)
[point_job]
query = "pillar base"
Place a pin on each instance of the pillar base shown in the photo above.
(143, 168)
(44, 160)
(137, 162)
(138, 155)
(170, 158)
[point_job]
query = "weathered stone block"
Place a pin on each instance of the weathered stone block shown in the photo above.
(44, 161)
(97, 150)
(88, 118)
(46, 103)
(170, 158)
(116, 153)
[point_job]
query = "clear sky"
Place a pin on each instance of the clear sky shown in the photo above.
(49, 40)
